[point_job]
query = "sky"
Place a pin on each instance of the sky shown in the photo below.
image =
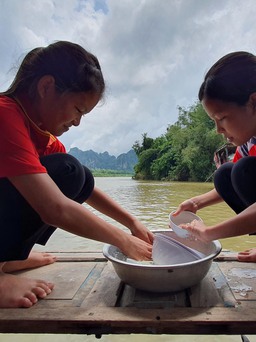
(153, 54)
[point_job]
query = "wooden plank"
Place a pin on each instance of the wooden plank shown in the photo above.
(213, 290)
(132, 297)
(241, 279)
(226, 256)
(112, 320)
(67, 277)
(73, 281)
(100, 304)
(106, 289)
(78, 297)
(79, 256)
(88, 284)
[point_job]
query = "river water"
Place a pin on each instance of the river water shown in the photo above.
(151, 202)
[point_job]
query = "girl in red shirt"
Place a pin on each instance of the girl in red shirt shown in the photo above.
(42, 187)
(228, 95)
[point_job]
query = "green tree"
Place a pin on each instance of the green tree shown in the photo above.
(146, 144)
(143, 168)
(184, 152)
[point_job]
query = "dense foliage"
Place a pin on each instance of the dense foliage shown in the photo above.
(184, 152)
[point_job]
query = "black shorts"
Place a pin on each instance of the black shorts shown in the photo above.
(21, 227)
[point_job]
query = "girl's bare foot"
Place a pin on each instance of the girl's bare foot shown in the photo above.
(247, 256)
(16, 292)
(35, 259)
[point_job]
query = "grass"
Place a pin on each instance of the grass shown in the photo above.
(111, 173)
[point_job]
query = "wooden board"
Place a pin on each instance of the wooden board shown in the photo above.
(241, 278)
(89, 298)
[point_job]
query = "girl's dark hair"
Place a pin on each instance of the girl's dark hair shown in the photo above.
(73, 68)
(231, 79)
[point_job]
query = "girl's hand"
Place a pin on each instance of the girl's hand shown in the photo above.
(136, 248)
(188, 205)
(141, 232)
(198, 230)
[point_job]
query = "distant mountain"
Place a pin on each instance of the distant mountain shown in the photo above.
(104, 161)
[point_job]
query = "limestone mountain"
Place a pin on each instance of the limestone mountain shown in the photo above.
(104, 161)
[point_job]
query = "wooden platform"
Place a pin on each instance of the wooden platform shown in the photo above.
(90, 299)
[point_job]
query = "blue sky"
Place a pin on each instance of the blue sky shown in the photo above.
(153, 53)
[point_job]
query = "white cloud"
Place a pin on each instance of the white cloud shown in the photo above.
(154, 54)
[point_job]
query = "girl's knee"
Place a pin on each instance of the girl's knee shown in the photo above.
(223, 173)
(244, 170)
(68, 174)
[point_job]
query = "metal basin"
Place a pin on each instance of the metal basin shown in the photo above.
(164, 278)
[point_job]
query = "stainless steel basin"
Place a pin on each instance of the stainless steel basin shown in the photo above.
(164, 278)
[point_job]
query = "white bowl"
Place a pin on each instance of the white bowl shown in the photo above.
(183, 218)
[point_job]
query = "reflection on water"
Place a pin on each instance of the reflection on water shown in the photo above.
(151, 202)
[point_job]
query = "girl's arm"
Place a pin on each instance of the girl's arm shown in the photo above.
(198, 202)
(106, 205)
(241, 224)
(57, 210)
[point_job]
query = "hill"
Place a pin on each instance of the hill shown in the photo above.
(104, 161)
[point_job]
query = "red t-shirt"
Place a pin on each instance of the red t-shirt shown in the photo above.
(247, 149)
(22, 142)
